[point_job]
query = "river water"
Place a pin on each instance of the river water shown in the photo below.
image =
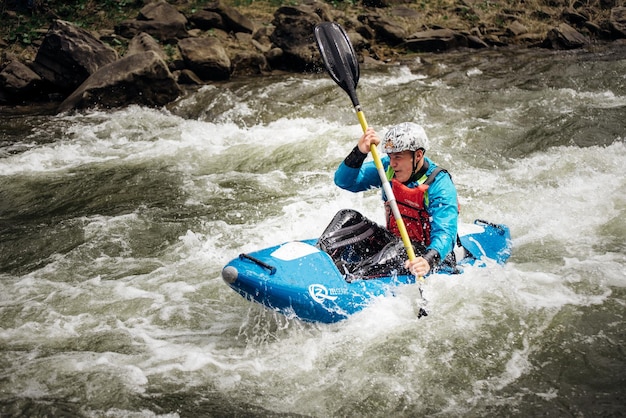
(115, 226)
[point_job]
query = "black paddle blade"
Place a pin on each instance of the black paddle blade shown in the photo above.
(339, 57)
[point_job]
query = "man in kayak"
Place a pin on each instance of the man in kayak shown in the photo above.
(425, 194)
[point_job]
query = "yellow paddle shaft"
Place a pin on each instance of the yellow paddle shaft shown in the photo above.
(391, 199)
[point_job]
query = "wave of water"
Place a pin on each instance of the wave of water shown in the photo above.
(116, 224)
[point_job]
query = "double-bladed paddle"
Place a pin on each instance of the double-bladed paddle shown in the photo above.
(342, 65)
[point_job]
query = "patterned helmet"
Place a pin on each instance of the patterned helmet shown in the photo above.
(405, 136)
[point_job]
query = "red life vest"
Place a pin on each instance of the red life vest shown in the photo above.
(412, 206)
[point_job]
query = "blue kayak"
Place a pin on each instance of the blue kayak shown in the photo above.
(301, 278)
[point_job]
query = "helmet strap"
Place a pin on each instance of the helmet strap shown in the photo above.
(416, 163)
(417, 174)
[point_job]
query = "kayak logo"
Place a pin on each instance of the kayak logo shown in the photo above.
(319, 293)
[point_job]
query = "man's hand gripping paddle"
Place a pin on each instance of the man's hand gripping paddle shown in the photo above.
(342, 65)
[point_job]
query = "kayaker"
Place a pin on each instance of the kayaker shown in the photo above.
(430, 211)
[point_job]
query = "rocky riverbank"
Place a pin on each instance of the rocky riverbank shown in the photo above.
(151, 58)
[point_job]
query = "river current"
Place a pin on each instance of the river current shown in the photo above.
(115, 225)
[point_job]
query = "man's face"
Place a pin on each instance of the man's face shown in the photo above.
(402, 164)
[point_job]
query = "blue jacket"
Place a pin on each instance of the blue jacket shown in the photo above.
(442, 199)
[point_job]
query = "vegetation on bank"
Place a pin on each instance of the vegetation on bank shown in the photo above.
(26, 21)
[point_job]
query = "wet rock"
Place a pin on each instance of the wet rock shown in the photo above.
(206, 57)
(406, 12)
(475, 42)
(207, 20)
(494, 39)
(383, 3)
(386, 30)
(617, 21)
(233, 21)
(262, 36)
(293, 34)
(141, 78)
(436, 40)
(516, 28)
(143, 42)
(249, 63)
(159, 19)
(575, 17)
(19, 83)
(189, 77)
(565, 37)
(68, 55)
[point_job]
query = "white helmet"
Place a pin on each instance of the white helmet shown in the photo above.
(405, 136)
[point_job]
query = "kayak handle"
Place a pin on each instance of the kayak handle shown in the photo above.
(272, 269)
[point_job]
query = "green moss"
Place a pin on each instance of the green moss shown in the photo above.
(26, 21)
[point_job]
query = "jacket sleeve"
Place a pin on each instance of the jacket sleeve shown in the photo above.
(357, 179)
(444, 212)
